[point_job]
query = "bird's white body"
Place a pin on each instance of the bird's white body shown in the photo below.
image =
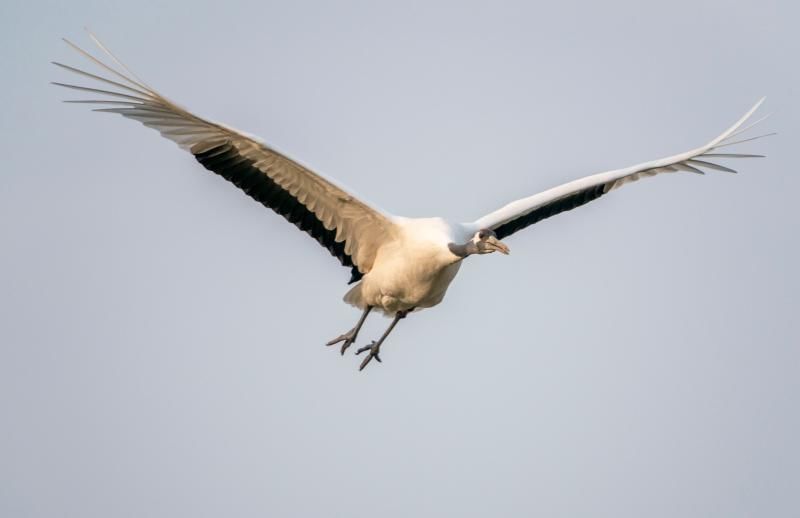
(414, 270)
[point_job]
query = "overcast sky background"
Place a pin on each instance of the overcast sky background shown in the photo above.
(161, 334)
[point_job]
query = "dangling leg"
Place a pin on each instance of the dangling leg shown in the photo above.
(350, 337)
(375, 347)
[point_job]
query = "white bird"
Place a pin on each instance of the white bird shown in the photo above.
(398, 264)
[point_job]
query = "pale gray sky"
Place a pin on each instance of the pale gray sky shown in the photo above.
(161, 335)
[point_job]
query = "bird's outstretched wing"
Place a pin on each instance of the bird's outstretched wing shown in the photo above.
(527, 211)
(349, 228)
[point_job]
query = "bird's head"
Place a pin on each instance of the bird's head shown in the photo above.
(485, 242)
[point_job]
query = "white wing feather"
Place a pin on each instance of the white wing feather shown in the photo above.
(691, 161)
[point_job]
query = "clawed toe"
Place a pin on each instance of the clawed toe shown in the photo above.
(348, 339)
(374, 348)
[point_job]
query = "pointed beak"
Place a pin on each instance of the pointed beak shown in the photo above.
(496, 245)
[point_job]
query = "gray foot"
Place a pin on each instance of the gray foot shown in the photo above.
(348, 338)
(374, 348)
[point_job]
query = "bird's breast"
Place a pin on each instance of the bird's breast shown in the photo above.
(410, 274)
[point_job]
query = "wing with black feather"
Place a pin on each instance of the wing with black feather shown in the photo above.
(348, 228)
(525, 212)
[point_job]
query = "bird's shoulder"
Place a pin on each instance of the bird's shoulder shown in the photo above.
(434, 230)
